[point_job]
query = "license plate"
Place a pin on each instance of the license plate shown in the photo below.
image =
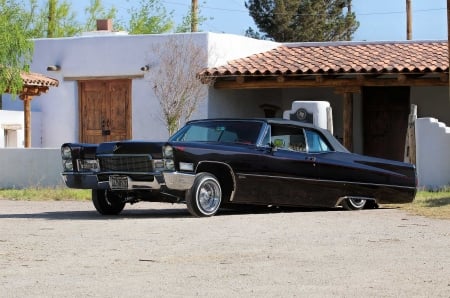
(118, 182)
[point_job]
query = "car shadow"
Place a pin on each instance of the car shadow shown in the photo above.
(157, 213)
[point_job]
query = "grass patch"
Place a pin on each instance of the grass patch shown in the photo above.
(46, 194)
(429, 203)
(434, 204)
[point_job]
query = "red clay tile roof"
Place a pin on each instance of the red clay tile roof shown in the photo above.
(35, 79)
(345, 57)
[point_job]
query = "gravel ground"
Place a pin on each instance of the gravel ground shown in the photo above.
(65, 249)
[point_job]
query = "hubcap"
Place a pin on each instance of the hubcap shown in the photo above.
(209, 196)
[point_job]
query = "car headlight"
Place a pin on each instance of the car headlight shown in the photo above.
(90, 165)
(66, 152)
(67, 165)
(168, 152)
(169, 165)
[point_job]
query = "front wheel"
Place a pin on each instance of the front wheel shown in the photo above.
(353, 204)
(205, 196)
(106, 202)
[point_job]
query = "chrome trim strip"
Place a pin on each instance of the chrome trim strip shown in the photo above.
(123, 155)
(233, 175)
(322, 180)
(127, 173)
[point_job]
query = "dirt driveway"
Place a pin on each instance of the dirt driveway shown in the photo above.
(65, 249)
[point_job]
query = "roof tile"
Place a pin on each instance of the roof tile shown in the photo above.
(381, 57)
(36, 79)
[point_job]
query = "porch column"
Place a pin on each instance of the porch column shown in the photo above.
(27, 119)
(347, 94)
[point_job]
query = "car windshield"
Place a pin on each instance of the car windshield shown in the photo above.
(245, 132)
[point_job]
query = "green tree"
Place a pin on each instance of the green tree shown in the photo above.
(304, 20)
(150, 17)
(16, 48)
(53, 19)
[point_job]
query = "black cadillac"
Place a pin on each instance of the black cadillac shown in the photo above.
(212, 163)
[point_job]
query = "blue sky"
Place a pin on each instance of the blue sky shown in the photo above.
(379, 19)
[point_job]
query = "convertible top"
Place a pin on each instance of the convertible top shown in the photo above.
(335, 143)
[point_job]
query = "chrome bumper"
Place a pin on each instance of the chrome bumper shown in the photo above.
(90, 181)
(178, 181)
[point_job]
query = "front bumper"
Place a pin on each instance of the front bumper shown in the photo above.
(83, 181)
(91, 181)
(178, 181)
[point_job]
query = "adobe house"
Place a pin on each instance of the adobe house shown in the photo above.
(105, 80)
(371, 86)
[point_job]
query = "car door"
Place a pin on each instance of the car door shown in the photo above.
(284, 173)
(331, 167)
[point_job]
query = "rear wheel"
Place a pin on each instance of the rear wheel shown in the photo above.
(106, 202)
(205, 196)
(353, 204)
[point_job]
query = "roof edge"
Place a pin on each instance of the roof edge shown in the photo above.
(351, 43)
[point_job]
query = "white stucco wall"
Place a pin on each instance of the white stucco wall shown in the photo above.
(432, 153)
(17, 118)
(36, 167)
(115, 56)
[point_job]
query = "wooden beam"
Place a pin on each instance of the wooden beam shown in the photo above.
(348, 121)
(299, 83)
(281, 79)
(347, 89)
(240, 79)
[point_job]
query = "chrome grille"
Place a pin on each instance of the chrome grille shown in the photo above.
(125, 163)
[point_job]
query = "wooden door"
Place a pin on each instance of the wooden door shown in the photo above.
(105, 110)
(385, 120)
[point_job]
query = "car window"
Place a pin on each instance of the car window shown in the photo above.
(288, 138)
(220, 131)
(316, 142)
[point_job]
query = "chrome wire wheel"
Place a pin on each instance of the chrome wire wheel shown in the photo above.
(208, 195)
(205, 196)
(353, 204)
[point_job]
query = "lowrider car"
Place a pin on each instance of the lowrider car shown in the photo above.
(213, 163)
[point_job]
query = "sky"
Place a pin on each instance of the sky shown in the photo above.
(379, 20)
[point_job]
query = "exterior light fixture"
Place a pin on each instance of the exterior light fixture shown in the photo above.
(145, 67)
(53, 68)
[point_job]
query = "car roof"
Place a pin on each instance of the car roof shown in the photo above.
(335, 143)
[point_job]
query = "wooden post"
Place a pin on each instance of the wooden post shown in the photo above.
(408, 20)
(194, 16)
(410, 144)
(348, 121)
(27, 119)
